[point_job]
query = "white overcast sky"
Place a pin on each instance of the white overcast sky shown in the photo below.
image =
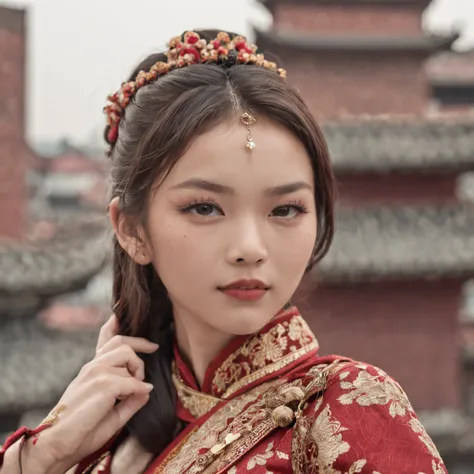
(81, 50)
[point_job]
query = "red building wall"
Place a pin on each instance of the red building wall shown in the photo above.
(336, 84)
(358, 19)
(409, 328)
(379, 189)
(13, 151)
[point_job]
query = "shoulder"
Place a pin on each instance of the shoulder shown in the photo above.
(362, 395)
(347, 382)
(362, 422)
(364, 385)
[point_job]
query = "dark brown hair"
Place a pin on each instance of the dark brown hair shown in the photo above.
(158, 127)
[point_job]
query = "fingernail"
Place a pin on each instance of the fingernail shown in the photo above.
(149, 386)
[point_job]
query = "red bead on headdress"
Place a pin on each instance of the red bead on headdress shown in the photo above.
(181, 53)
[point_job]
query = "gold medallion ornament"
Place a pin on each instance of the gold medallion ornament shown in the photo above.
(248, 120)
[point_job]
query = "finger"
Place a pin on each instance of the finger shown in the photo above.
(125, 387)
(107, 331)
(100, 399)
(125, 357)
(138, 344)
(124, 410)
(120, 371)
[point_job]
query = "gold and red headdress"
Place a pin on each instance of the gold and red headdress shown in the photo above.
(185, 51)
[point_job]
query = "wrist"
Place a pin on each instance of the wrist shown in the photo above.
(38, 458)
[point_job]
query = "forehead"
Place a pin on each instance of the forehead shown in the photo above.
(221, 155)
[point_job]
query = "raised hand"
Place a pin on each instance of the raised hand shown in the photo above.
(108, 391)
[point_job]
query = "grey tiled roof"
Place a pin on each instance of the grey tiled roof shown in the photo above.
(342, 2)
(385, 145)
(401, 242)
(19, 305)
(451, 68)
(268, 40)
(37, 363)
(53, 267)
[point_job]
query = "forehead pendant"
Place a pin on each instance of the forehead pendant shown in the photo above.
(248, 120)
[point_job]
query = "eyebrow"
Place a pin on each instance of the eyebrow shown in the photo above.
(196, 183)
(288, 188)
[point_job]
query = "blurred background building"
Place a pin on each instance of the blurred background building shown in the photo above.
(397, 105)
(54, 281)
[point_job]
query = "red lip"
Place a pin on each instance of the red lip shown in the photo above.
(245, 290)
(245, 285)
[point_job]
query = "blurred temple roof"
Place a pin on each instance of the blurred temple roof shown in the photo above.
(270, 3)
(395, 144)
(430, 43)
(48, 267)
(401, 241)
(451, 68)
(38, 363)
(44, 341)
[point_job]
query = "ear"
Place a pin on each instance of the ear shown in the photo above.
(130, 234)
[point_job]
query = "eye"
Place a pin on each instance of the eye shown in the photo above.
(289, 211)
(203, 209)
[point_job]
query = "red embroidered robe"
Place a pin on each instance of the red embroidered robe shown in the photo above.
(270, 404)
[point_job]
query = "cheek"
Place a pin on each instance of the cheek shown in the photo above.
(180, 255)
(296, 250)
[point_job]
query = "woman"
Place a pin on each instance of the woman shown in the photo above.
(222, 198)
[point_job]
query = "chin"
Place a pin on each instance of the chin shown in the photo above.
(247, 320)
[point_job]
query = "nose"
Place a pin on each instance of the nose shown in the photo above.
(247, 245)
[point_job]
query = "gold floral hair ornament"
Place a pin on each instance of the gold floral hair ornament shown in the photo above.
(185, 51)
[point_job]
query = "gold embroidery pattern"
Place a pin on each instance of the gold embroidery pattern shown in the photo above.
(261, 459)
(253, 377)
(437, 467)
(208, 434)
(245, 421)
(304, 449)
(418, 428)
(250, 439)
(254, 424)
(263, 354)
(197, 403)
(161, 468)
(257, 421)
(318, 441)
(379, 389)
(327, 433)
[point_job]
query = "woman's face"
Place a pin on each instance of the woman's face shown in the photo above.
(224, 215)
